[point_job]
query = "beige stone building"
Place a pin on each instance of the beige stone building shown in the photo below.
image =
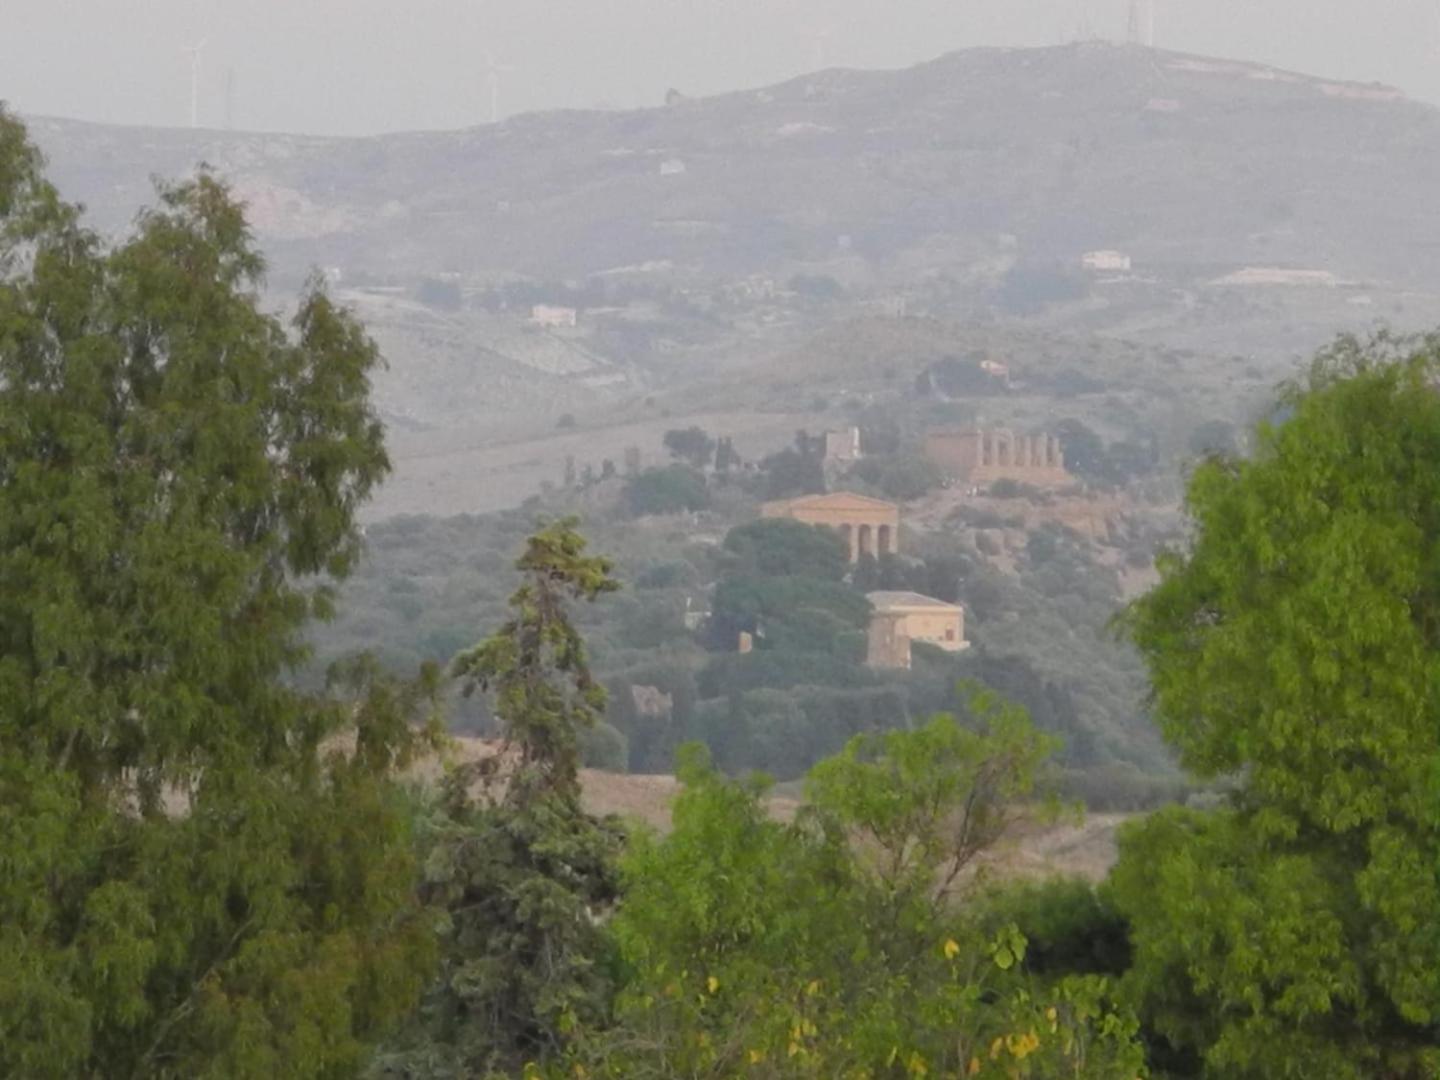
(842, 446)
(869, 526)
(979, 457)
(902, 618)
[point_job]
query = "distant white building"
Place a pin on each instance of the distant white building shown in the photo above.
(996, 370)
(549, 315)
(1108, 261)
(672, 167)
(1278, 275)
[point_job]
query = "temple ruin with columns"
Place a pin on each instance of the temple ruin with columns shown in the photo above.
(869, 526)
(980, 457)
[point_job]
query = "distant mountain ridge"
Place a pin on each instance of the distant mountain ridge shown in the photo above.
(1174, 159)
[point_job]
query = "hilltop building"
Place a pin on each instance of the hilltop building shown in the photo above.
(1113, 261)
(996, 370)
(978, 457)
(549, 315)
(869, 526)
(902, 618)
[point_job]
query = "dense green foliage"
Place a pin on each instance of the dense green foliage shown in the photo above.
(827, 946)
(670, 490)
(782, 547)
(1296, 647)
(898, 476)
(195, 880)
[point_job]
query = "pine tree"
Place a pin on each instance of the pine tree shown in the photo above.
(523, 873)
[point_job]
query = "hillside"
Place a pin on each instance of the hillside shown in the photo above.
(1174, 159)
(712, 242)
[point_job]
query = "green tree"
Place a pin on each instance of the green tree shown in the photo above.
(691, 445)
(782, 547)
(670, 490)
(792, 472)
(1296, 647)
(1085, 454)
(197, 877)
(519, 869)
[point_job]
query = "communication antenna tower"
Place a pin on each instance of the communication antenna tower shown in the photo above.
(493, 71)
(818, 40)
(1141, 30)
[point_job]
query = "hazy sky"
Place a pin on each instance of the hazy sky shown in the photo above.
(362, 66)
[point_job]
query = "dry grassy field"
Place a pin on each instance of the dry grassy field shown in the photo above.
(1084, 849)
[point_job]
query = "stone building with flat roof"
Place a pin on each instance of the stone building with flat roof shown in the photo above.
(901, 618)
(869, 526)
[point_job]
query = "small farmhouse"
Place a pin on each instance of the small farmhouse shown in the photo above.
(902, 618)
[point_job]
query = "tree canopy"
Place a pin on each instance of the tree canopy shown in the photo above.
(825, 946)
(1296, 648)
(670, 490)
(691, 445)
(198, 878)
(783, 547)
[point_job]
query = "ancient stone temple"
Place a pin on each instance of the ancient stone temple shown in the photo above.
(869, 526)
(979, 457)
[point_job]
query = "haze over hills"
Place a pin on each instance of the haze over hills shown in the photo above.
(1175, 159)
(709, 234)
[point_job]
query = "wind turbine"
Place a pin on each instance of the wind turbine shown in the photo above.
(194, 51)
(493, 71)
(229, 99)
